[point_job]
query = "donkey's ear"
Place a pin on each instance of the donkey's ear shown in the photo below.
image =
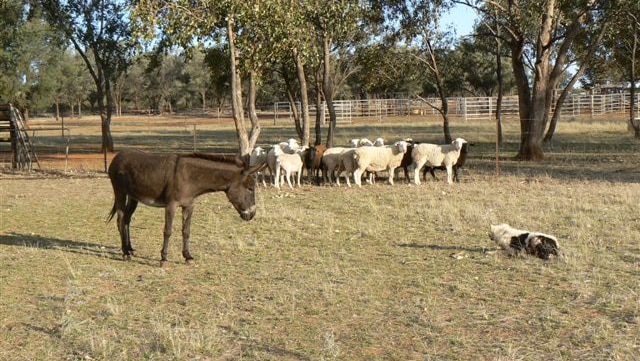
(256, 168)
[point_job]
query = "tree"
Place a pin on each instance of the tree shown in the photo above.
(623, 45)
(197, 79)
(183, 21)
(540, 36)
(100, 33)
(419, 25)
(28, 56)
(337, 26)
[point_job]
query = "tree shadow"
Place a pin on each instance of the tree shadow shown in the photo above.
(77, 247)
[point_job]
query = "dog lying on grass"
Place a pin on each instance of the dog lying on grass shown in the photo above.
(515, 241)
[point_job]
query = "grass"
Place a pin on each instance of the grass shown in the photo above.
(327, 273)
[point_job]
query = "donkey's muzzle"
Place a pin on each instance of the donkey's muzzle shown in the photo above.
(248, 214)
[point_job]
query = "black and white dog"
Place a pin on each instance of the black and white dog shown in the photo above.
(515, 240)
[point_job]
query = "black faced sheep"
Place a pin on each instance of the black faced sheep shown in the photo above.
(313, 161)
(434, 155)
(462, 160)
(258, 156)
(375, 159)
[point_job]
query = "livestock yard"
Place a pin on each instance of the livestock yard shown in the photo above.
(381, 272)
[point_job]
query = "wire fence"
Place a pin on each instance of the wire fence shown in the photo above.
(469, 108)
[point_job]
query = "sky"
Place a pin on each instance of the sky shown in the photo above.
(461, 18)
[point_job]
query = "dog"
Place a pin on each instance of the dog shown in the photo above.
(515, 240)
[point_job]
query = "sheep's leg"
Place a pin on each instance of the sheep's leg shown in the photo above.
(390, 171)
(449, 172)
(357, 174)
(299, 175)
(416, 171)
(288, 176)
(276, 178)
(346, 178)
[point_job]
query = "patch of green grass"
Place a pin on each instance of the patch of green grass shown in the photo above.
(399, 272)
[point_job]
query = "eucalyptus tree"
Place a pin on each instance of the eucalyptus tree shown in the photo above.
(218, 64)
(623, 45)
(419, 24)
(197, 79)
(541, 37)
(386, 70)
(28, 56)
(337, 25)
(100, 32)
(478, 56)
(247, 29)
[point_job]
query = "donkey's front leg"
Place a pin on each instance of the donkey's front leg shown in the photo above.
(186, 231)
(169, 213)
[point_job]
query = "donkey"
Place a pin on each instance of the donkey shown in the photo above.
(171, 181)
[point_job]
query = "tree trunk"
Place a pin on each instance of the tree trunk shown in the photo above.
(319, 112)
(500, 78)
(635, 124)
(432, 64)
(107, 139)
(253, 114)
(327, 88)
(304, 97)
(565, 92)
(236, 92)
(293, 103)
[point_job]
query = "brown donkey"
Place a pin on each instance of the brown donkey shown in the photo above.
(172, 181)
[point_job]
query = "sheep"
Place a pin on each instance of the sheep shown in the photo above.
(289, 163)
(290, 146)
(331, 160)
(435, 155)
(376, 159)
(357, 142)
(462, 159)
(379, 142)
(346, 165)
(515, 240)
(313, 160)
(407, 160)
(258, 156)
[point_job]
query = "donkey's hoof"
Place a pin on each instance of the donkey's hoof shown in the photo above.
(126, 257)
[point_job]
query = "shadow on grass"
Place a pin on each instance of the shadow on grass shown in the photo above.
(78, 247)
(439, 247)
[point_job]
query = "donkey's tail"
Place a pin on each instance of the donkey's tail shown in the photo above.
(111, 214)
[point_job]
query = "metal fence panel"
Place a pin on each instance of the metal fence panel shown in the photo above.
(470, 108)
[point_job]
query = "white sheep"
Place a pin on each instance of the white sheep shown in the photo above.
(290, 146)
(289, 163)
(375, 159)
(379, 142)
(258, 156)
(331, 161)
(435, 155)
(360, 142)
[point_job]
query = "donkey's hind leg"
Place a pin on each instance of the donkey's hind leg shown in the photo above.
(127, 249)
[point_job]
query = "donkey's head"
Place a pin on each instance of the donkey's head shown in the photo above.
(242, 191)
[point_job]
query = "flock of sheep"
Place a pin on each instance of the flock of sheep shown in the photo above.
(363, 157)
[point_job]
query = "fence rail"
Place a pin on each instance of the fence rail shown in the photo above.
(469, 108)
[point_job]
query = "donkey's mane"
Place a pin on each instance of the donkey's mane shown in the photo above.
(230, 158)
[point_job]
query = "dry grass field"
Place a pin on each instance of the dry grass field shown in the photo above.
(381, 272)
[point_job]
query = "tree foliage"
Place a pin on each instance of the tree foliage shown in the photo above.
(99, 31)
